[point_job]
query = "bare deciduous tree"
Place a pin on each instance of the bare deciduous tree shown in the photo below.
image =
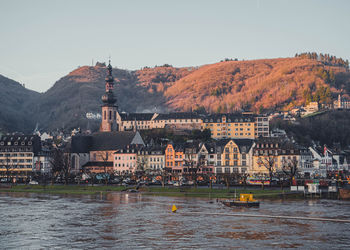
(61, 165)
(104, 157)
(268, 162)
(290, 168)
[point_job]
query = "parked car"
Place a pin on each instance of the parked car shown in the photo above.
(115, 181)
(178, 184)
(33, 183)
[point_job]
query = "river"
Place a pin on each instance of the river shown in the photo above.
(134, 221)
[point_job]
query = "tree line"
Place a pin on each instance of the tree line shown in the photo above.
(326, 59)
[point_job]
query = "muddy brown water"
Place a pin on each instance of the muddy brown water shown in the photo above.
(134, 221)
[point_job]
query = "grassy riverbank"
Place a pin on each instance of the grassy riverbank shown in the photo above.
(158, 191)
(62, 189)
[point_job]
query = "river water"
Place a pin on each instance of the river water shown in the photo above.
(133, 221)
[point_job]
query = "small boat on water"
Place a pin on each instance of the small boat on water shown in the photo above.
(344, 193)
(245, 200)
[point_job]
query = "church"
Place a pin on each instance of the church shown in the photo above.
(95, 152)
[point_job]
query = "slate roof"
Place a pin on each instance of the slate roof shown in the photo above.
(180, 115)
(81, 144)
(151, 150)
(244, 145)
(136, 116)
(230, 117)
(101, 141)
(111, 140)
(98, 164)
(210, 146)
(14, 141)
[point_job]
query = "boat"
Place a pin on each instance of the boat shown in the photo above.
(245, 200)
(344, 193)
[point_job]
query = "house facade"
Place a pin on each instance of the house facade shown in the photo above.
(17, 153)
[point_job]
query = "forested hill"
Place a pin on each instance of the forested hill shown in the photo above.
(13, 105)
(230, 85)
(328, 128)
(258, 85)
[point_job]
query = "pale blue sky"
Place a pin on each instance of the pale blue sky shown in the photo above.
(41, 41)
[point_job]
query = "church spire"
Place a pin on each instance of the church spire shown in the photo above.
(109, 109)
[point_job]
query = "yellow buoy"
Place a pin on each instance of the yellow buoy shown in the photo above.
(173, 209)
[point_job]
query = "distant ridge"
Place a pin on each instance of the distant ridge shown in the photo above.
(226, 86)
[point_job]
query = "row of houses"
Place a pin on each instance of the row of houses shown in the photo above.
(126, 152)
(221, 156)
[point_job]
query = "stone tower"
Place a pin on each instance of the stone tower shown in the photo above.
(109, 109)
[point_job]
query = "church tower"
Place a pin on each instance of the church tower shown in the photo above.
(109, 109)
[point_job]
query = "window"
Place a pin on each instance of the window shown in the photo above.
(104, 115)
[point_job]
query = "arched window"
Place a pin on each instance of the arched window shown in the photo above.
(104, 115)
(110, 115)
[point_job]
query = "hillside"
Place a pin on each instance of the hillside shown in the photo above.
(66, 103)
(221, 87)
(258, 84)
(325, 129)
(13, 102)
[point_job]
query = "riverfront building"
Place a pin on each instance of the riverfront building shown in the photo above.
(17, 154)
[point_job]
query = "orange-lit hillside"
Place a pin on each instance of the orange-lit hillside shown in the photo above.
(159, 78)
(255, 84)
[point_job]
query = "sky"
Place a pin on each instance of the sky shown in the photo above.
(42, 41)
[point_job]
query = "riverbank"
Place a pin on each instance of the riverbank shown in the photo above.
(156, 191)
(62, 189)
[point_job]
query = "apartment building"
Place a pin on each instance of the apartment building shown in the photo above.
(230, 126)
(17, 154)
(275, 152)
(233, 155)
(152, 158)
